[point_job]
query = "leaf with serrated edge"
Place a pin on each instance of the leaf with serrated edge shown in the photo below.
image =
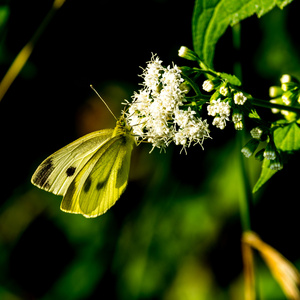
(232, 79)
(211, 19)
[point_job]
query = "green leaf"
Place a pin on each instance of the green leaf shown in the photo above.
(287, 138)
(254, 115)
(266, 174)
(232, 79)
(212, 17)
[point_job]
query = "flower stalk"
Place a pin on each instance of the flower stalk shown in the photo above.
(266, 104)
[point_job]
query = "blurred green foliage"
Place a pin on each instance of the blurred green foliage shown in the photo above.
(175, 233)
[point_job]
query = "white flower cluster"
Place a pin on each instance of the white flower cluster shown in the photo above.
(239, 98)
(221, 111)
(157, 113)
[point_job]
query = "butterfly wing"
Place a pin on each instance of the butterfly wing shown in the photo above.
(101, 182)
(56, 173)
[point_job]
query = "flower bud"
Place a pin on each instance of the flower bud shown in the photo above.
(224, 89)
(185, 87)
(276, 164)
(290, 116)
(275, 91)
(239, 98)
(239, 125)
(289, 97)
(186, 53)
(208, 85)
(211, 84)
(250, 147)
(259, 155)
(285, 78)
(237, 116)
(276, 101)
(270, 151)
(287, 86)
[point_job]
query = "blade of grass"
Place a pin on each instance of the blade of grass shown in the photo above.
(21, 59)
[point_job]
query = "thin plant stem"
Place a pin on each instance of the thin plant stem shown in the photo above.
(246, 197)
(246, 194)
(23, 56)
(266, 104)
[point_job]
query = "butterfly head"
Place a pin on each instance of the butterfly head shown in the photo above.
(122, 127)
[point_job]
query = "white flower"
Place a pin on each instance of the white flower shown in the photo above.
(219, 107)
(219, 122)
(237, 117)
(221, 111)
(224, 110)
(256, 133)
(152, 73)
(239, 98)
(157, 113)
(224, 90)
(285, 78)
(208, 85)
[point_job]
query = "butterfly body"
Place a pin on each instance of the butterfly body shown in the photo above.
(90, 173)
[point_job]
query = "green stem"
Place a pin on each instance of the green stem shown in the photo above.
(23, 56)
(192, 84)
(246, 193)
(266, 104)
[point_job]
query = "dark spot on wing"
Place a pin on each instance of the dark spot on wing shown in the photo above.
(41, 178)
(87, 185)
(70, 171)
(100, 185)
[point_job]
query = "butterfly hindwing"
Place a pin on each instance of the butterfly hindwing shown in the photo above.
(101, 182)
(56, 173)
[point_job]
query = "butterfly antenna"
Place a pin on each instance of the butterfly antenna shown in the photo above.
(103, 102)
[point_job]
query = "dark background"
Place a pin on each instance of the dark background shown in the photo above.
(175, 233)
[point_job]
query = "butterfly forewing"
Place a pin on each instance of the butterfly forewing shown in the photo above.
(101, 182)
(56, 173)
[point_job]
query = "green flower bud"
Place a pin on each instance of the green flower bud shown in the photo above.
(287, 86)
(208, 85)
(275, 91)
(186, 53)
(239, 125)
(237, 116)
(276, 164)
(250, 147)
(289, 97)
(285, 78)
(224, 89)
(276, 101)
(270, 151)
(259, 155)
